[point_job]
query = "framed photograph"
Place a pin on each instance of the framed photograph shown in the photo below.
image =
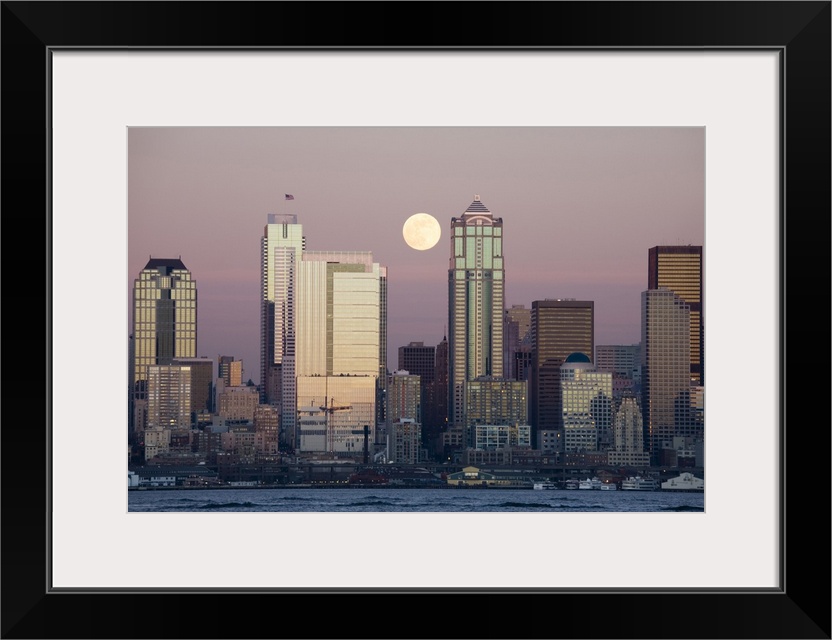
(77, 77)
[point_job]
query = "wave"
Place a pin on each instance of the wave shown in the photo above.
(228, 505)
(684, 507)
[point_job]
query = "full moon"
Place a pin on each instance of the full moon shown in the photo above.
(421, 231)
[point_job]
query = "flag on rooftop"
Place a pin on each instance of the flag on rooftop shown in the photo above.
(289, 196)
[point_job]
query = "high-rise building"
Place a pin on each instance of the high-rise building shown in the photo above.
(516, 341)
(164, 325)
(476, 285)
(586, 395)
(230, 370)
(324, 318)
(623, 361)
(420, 360)
(559, 328)
(439, 420)
(679, 268)
(202, 388)
(665, 357)
(403, 397)
(168, 406)
(282, 245)
(628, 435)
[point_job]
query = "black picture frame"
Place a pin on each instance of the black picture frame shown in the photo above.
(800, 31)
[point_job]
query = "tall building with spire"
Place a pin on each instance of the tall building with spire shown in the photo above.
(164, 325)
(476, 301)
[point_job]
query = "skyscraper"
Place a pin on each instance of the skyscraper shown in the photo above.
(665, 357)
(476, 285)
(586, 396)
(323, 319)
(281, 247)
(420, 360)
(516, 341)
(164, 324)
(679, 268)
(230, 370)
(559, 328)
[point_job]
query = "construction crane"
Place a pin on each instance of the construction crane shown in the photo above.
(328, 411)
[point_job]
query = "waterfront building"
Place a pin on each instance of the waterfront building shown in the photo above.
(586, 398)
(476, 281)
(559, 327)
(665, 326)
(336, 410)
(501, 436)
(405, 441)
(164, 325)
(679, 268)
(494, 401)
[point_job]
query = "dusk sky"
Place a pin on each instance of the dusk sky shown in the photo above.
(580, 208)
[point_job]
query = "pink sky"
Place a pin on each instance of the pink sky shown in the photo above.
(580, 208)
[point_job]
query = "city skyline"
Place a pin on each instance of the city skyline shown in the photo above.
(581, 207)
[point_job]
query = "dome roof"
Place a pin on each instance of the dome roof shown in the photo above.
(577, 356)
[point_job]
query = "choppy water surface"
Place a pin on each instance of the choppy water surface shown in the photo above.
(417, 500)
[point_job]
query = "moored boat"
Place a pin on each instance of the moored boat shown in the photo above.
(545, 485)
(639, 483)
(590, 483)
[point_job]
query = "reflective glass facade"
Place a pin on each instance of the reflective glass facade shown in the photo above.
(665, 340)
(558, 329)
(164, 323)
(679, 268)
(281, 246)
(586, 395)
(476, 280)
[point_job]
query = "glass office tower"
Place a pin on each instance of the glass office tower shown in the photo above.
(679, 268)
(559, 328)
(476, 285)
(665, 354)
(164, 324)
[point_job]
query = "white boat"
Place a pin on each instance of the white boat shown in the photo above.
(590, 483)
(571, 484)
(639, 483)
(608, 486)
(542, 486)
(685, 482)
